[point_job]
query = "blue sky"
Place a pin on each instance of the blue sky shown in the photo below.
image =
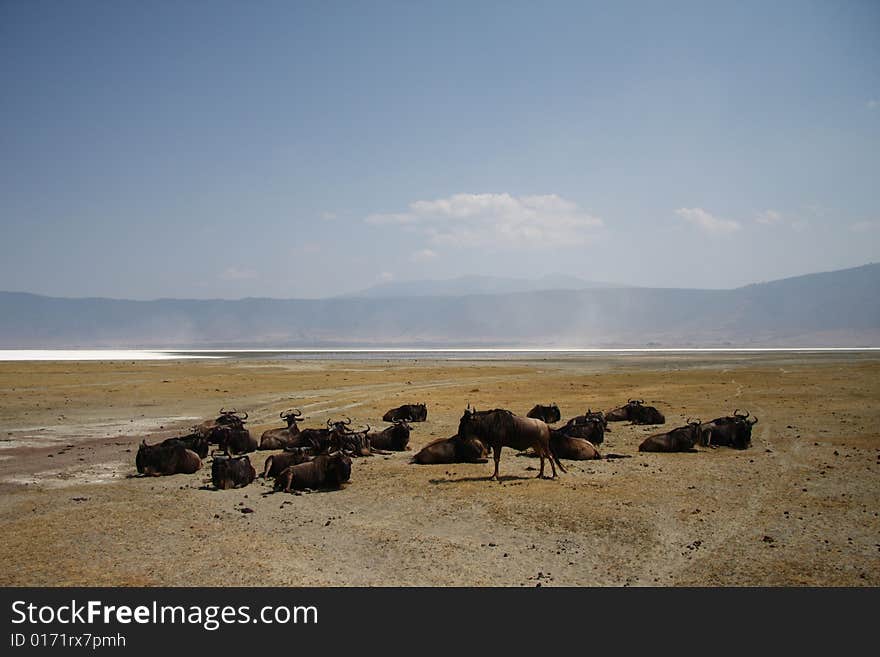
(294, 149)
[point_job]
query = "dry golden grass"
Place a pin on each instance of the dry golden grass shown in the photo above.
(798, 508)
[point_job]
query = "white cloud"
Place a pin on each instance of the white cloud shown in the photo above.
(768, 217)
(385, 276)
(707, 222)
(873, 103)
(864, 226)
(423, 255)
(328, 216)
(498, 220)
(772, 218)
(237, 274)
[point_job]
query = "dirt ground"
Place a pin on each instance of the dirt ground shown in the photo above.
(800, 507)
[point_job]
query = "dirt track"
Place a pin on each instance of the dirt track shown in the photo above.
(798, 508)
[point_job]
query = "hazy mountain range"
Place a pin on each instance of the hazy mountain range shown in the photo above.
(840, 308)
(465, 285)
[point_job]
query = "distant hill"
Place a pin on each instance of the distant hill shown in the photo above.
(465, 285)
(839, 308)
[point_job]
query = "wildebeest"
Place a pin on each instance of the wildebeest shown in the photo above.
(194, 441)
(281, 438)
(394, 438)
(636, 412)
(166, 459)
(408, 412)
(499, 428)
(226, 418)
(680, 439)
(321, 440)
(564, 446)
(352, 443)
(549, 413)
(231, 471)
(233, 439)
(452, 450)
(324, 471)
(590, 426)
(732, 431)
(276, 463)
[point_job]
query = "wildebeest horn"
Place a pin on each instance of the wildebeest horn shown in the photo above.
(223, 411)
(754, 421)
(329, 423)
(239, 415)
(348, 421)
(367, 430)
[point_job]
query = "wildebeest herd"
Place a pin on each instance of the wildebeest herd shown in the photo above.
(321, 458)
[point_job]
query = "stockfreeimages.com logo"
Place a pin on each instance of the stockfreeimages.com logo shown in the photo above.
(210, 617)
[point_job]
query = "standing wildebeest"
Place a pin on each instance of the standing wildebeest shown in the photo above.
(548, 414)
(324, 471)
(231, 471)
(499, 428)
(166, 459)
(564, 446)
(451, 450)
(281, 438)
(408, 412)
(590, 426)
(680, 439)
(732, 431)
(636, 412)
(394, 438)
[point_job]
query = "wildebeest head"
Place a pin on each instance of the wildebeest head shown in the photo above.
(291, 416)
(231, 417)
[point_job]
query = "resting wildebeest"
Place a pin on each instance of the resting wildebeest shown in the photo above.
(451, 450)
(226, 418)
(548, 414)
(590, 426)
(194, 441)
(564, 446)
(276, 463)
(353, 443)
(394, 438)
(233, 439)
(281, 438)
(732, 431)
(324, 471)
(231, 471)
(680, 439)
(408, 412)
(636, 412)
(499, 428)
(166, 459)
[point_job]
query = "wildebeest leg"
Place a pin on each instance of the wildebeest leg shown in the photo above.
(541, 454)
(554, 458)
(552, 465)
(289, 481)
(268, 467)
(496, 454)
